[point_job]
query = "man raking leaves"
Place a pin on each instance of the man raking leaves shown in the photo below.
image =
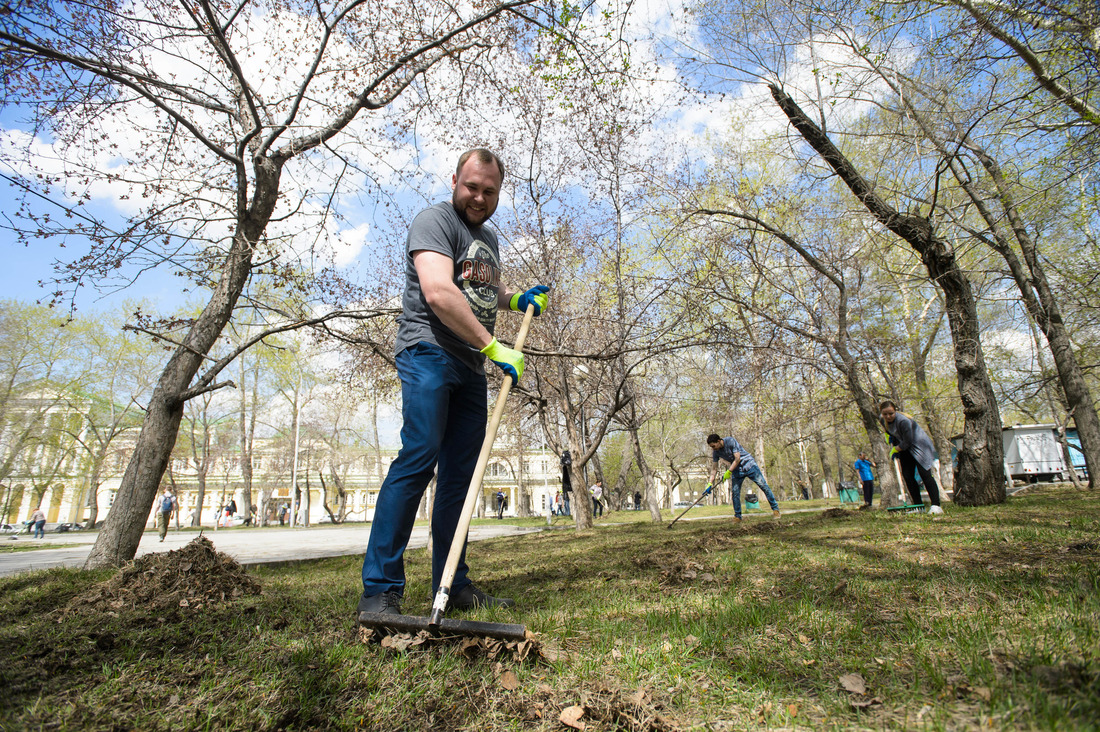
(741, 465)
(453, 291)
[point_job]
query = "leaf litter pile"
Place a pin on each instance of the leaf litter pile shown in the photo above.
(184, 580)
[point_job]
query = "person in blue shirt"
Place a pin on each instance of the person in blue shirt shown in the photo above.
(741, 466)
(863, 467)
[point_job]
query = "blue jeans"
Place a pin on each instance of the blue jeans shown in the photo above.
(443, 407)
(40, 529)
(757, 477)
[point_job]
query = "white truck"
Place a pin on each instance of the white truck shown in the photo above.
(1032, 453)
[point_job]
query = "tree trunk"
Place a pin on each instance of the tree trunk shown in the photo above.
(980, 478)
(295, 494)
(336, 517)
(805, 478)
(823, 456)
(307, 498)
(119, 539)
(93, 492)
(246, 446)
(523, 495)
(200, 498)
(647, 476)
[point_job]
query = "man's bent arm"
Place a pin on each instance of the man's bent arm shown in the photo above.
(504, 297)
(436, 273)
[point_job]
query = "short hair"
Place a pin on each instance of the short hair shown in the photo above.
(713, 437)
(887, 403)
(483, 156)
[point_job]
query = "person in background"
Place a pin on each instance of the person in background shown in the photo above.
(38, 520)
(913, 448)
(168, 506)
(597, 498)
(637, 501)
(566, 481)
(863, 467)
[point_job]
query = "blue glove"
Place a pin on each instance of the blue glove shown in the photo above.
(708, 490)
(509, 360)
(535, 296)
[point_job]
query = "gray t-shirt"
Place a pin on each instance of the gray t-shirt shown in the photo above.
(476, 255)
(730, 447)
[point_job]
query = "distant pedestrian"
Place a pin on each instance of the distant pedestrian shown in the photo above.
(863, 467)
(283, 510)
(500, 504)
(168, 506)
(637, 501)
(38, 519)
(597, 498)
(914, 450)
(557, 505)
(230, 510)
(741, 466)
(566, 481)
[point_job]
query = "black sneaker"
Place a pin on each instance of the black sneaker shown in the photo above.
(385, 603)
(470, 597)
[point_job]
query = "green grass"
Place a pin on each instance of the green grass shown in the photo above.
(10, 547)
(984, 618)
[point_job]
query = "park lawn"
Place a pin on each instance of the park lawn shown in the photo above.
(982, 618)
(11, 548)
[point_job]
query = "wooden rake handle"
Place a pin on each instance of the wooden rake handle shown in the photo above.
(458, 543)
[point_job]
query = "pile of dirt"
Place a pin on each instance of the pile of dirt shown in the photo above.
(186, 580)
(835, 513)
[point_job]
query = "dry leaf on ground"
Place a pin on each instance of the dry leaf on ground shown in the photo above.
(864, 703)
(508, 680)
(853, 683)
(571, 717)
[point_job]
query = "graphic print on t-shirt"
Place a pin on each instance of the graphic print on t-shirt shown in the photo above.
(479, 280)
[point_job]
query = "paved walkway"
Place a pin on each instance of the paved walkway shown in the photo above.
(269, 545)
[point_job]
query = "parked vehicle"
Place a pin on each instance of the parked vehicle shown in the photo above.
(62, 528)
(1032, 452)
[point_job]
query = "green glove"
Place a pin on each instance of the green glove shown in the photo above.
(509, 360)
(535, 296)
(727, 475)
(893, 453)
